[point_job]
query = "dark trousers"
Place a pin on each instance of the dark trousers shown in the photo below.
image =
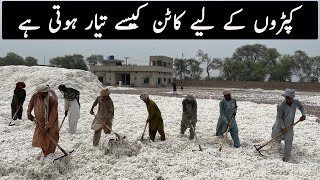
(13, 111)
(152, 134)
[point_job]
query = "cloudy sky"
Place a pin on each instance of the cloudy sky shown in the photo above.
(140, 50)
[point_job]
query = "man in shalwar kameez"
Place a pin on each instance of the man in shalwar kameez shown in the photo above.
(286, 111)
(71, 106)
(18, 99)
(45, 108)
(105, 114)
(154, 118)
(228, 110)
(189, 115)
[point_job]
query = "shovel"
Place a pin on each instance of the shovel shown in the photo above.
(15, 114)
(119, 137)
(144, 130)
(258, 147)
(200, 149)
(54, 142)
(225, 136)
(62, 123)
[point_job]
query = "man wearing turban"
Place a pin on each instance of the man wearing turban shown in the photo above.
(228, 110)
(45, 107)
(105, 114)
(154, 119)
(286, 111)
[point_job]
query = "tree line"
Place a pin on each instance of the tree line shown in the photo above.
(251, 63)
(254, 62)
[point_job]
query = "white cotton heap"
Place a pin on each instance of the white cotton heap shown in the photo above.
(111, 145)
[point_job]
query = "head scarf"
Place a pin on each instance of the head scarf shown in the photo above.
(144, 96)
(20, 84)
(69, 94)
(104, 92)
(226, 92)
(289, 92)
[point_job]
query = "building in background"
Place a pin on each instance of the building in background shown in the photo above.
(159, 72)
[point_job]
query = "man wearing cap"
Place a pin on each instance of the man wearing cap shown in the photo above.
(189, 115)
(45, 108)
(286, 111)
(19, 96)
(228, 110)
(154, 119)
(105, 114)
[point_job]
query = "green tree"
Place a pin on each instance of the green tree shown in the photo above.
(250, 63)
(231, 69)
(303, 65)
(210, 63)
(31, 61)
(12, 59)
(315, 69)
(194, 69)
(94, 59)
(283, 70)
(75, 61)
(181, 68)
(254, 52)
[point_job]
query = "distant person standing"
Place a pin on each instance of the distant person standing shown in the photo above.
(174, 86)
(71, 104)
(19, 96)
(181, 86)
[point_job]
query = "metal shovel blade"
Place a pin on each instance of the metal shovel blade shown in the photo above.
(59, 158)
(10, 124)
(258, 147)
(200, 149)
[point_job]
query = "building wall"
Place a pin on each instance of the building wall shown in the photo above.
(111, 75)
(167, 60)
(137, 78)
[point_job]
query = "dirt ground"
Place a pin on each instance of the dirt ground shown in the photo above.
(215, 93)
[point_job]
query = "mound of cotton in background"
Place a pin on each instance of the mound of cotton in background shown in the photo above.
(171, 159)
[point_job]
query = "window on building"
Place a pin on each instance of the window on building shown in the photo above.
(153, 63)
(159, 80)
(164, 64)
(169, 80)
(146, 80)
(164, 79)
